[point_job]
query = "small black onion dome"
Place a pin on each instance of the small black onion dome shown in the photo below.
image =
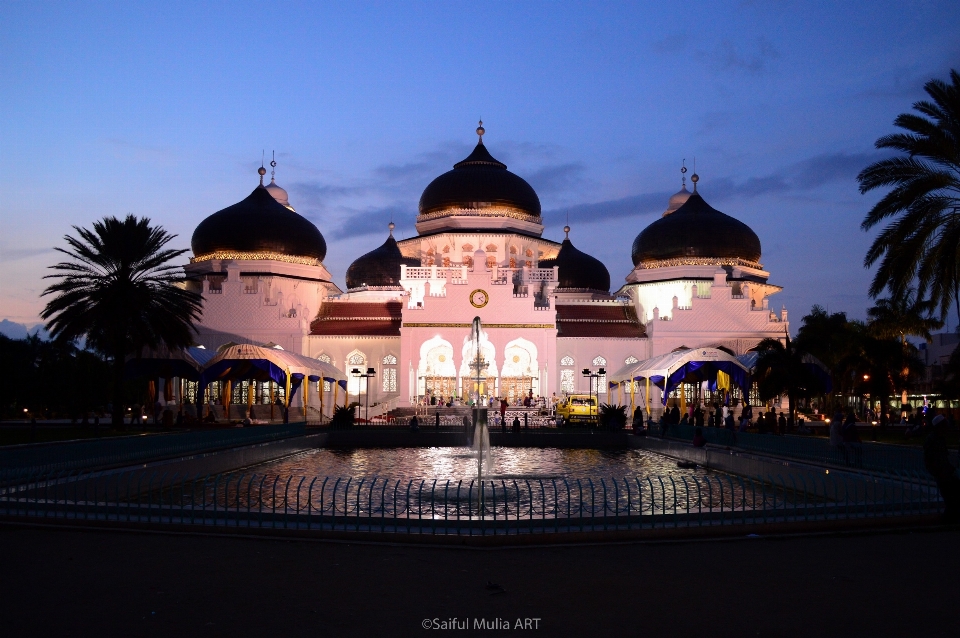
(380, 267)
(478, 181)
(578, 269)
(696, 229)
(258, 223)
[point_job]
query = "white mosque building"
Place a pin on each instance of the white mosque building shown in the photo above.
(547, 309)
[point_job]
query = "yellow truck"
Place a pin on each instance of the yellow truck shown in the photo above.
(577, 408)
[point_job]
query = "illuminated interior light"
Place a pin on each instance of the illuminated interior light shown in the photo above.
(699, 261)
(239, 256)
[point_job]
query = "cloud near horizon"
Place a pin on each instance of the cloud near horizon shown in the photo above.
(800, 177)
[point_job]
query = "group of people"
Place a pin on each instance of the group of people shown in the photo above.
(527, 400)
(468, 426)
(724, 416)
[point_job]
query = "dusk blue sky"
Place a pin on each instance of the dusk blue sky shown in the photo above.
(163, 109)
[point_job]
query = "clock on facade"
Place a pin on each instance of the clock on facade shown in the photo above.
(479, 298)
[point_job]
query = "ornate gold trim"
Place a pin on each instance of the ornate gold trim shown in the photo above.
(486, 211)
(240, 256)
(698, 261)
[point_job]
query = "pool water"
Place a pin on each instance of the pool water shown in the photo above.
(456, 463)
(441, 482)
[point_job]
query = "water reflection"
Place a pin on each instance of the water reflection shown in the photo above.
(460, 463)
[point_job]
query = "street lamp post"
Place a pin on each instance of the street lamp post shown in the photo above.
(366, 386)
(587, 372)
(866, 395)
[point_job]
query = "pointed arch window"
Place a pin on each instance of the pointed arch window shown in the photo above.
(631, 359)
(326, 359)
(568, 377)
(356, 359)
(599, 362)
(389, 373)
(356, 385)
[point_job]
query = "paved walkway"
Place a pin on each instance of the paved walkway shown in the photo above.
(56, 582)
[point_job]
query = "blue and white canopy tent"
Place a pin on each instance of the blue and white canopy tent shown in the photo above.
(668, 371)
(247, 362)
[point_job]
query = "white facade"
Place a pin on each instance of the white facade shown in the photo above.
(537, 337)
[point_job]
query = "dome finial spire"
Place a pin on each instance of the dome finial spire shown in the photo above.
(694, 178)
(683, 174)
(262, 171)
(273, 166)
(481, 131)
(566, 232)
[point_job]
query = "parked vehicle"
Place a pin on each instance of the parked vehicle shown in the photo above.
(577, 408)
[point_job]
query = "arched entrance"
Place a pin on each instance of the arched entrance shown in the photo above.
(488, 368)
(521, 371)
(437, 375)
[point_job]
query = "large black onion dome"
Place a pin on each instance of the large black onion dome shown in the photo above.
(577, 269)
(380, 267)
(258, 224)
(480, 181)
(696, 229)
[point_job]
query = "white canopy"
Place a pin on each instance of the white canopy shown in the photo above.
(669, 370)
(237, 361)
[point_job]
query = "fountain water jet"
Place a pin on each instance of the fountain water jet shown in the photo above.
(481, 434)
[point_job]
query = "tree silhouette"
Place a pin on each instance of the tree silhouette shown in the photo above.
(119, 293)
(922, 241)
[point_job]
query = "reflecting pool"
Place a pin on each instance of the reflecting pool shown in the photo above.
(456, 463)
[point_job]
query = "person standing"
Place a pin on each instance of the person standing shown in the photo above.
(637, 418)
(698, 439)
(936, 458)
(850, 437)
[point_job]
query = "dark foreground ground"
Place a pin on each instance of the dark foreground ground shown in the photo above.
(56, 582)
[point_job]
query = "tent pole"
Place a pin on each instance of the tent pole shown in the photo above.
(306, 395)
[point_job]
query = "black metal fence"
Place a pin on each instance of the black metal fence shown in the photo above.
(866, 456)
(461, 507)
(118, 451)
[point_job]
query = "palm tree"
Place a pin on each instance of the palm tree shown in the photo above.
(120, 293)
(903, 316)
(828, 338)
(922, 241)
(782, 368)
